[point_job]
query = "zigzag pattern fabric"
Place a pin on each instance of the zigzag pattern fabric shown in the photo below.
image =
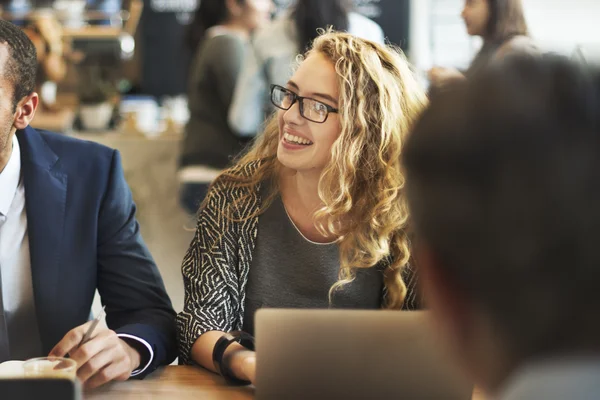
(215, 268)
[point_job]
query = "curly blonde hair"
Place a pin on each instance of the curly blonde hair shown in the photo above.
(362, 186)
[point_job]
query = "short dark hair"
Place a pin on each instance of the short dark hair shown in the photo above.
(21, 67)
(208, 14)
(506, 20)
(312, 15)
(503, 182)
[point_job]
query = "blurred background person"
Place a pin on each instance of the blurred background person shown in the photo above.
(219, 35)
(274, 50)
(502, 26)
(162, 60)
(322, 181)
(503, 182)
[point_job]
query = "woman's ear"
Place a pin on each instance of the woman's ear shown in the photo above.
(25, 111)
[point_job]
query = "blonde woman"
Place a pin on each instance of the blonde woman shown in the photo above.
(314, 215)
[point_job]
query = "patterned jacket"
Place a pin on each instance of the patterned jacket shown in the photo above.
(215, 268)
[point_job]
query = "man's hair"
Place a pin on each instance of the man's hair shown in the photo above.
(21, 66)
(503, 181)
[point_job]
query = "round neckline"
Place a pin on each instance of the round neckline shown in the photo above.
(300, 232)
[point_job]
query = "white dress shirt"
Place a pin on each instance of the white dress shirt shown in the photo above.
(19, 326)
(19, 332)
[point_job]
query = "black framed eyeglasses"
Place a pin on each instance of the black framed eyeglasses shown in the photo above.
(311, 109)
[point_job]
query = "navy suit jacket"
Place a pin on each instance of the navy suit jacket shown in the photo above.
(83, 236)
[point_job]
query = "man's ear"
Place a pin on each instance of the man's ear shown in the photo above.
(443, 295)
(440, 289)
(432, 276)
(26, 110)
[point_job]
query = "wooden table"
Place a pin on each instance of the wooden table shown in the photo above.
(179, 383)
(174, 383)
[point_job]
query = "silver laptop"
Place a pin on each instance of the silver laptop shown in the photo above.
(352, 354)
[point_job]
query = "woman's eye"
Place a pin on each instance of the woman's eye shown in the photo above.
(320, 107)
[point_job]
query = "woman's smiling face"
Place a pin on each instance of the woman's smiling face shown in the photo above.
(306, 145)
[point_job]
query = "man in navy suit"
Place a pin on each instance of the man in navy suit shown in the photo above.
(67, 228)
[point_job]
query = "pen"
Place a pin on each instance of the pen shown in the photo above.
(90, 330)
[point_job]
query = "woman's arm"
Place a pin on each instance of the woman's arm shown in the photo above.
(207, 277)
(241, 361)
(413, 300)
(211, 289)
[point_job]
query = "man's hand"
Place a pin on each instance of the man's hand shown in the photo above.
(104, 358)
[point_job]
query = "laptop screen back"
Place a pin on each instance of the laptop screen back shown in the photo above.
(331, 354)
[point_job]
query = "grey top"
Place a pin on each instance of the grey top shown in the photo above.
(289, 271)
(213, 75)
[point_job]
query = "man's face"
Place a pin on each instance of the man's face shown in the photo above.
(7, 114)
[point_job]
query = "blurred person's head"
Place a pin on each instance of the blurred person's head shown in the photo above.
(353, 153)
(18, 101)
(246, 15)
(494, 20)
(311, 15)
(503, 183)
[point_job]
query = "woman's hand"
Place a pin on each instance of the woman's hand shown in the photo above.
(439, 76)
(243, 365)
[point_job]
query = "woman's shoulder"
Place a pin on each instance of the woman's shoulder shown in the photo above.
(234, 179)
(217, 50)
(224, 42)
(243, 170)
(519, 44)
(279, 25)
(230, 38)
(277, 37)
(364, 27)
(233, 187)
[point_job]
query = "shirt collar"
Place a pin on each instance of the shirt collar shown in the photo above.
(9, 178)
(536, 380)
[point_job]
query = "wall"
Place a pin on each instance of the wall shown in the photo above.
(439, 36)
(560, 24)
(391, 15)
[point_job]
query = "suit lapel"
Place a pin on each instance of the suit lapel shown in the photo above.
(45, 202)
